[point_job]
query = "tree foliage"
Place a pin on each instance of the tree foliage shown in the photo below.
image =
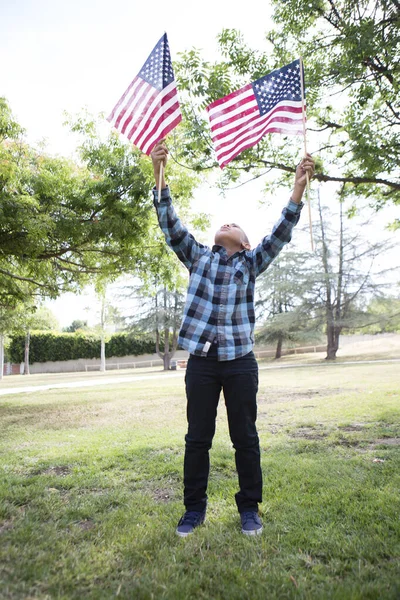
(43, 319)
(352, 66)
(159, 312)
(327, 291)
(342, 276)
(382, 316)
(75, 326)
(289, 329)
(62, 222)
(281, 292)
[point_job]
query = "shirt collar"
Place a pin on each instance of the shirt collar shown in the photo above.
(222, 251)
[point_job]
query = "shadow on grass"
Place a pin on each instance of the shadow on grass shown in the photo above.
(95, 526)
(91, 490)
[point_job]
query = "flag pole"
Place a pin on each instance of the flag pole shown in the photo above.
(305, 151)
(159, 182)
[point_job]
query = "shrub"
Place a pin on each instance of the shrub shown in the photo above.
(70, 346)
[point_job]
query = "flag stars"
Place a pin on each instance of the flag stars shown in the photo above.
(281, 85)
(157, 70)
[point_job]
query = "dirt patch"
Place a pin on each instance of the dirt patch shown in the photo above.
(273, 429)
(389, 441)
(163, 495)
(308, 433)
(58, 471)
(91, 491)
(6, 526)
(368, 445)
(353, 427)
(288, 395)
(86, 524)
(349, 443)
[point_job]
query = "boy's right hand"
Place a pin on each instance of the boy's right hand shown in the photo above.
(159, 154)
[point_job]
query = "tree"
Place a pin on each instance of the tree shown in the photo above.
(382, 316)
(15, 319)
(280, 296)
(109, 315)
(352, 54)
(75, 326)
(168, 316)
(303, 294)
(341, 276)
(43, 319)
(62, 222)
(289, 327)
(160, 312)
(351, 57)
(9, 321)
(35, 318)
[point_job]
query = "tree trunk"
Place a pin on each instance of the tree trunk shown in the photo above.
(340, 275)
(330, 348)
(167, 353)
(278, 352)
(166, 318)
(1, 355)
(175, 326)
(26, 360)
(167, 360)
(332, 334)
(158, 351)
(102, 338)
(102, 353)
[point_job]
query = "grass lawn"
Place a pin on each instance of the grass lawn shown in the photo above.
(90, 492)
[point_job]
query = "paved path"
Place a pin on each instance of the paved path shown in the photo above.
(127, 379)
(86, 384)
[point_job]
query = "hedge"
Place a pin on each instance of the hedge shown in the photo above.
(71, 346)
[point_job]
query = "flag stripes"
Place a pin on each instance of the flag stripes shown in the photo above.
(149, 109)
(271, 104)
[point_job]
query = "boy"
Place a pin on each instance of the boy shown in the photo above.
(217, 330)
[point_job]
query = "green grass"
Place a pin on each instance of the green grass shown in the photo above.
(90, 492)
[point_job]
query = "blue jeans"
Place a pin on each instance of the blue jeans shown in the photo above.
(205, 378)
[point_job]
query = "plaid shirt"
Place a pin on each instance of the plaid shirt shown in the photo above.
(220, 297)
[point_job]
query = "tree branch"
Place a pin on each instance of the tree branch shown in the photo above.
(20, 278)
(323, 177)
(328, 125)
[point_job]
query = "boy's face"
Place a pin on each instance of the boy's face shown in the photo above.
(231, 234)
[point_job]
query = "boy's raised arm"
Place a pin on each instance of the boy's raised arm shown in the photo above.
(176, 235)
(281, 234)
(307, 165)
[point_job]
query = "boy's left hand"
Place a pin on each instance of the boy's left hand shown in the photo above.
(307, 165)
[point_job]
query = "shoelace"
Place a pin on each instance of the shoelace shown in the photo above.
(191, 518)
(249, 516)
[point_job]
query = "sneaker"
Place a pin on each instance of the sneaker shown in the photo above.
(189, 521)
(251, 523)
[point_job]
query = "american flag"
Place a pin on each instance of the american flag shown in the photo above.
(149, 109)
(271, 104)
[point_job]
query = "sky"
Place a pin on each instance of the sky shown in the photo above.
(66, 56)
(59, 56)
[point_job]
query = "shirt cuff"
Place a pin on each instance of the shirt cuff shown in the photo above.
(294, 206)
(165, 194)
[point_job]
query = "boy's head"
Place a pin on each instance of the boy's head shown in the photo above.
(232, 237)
